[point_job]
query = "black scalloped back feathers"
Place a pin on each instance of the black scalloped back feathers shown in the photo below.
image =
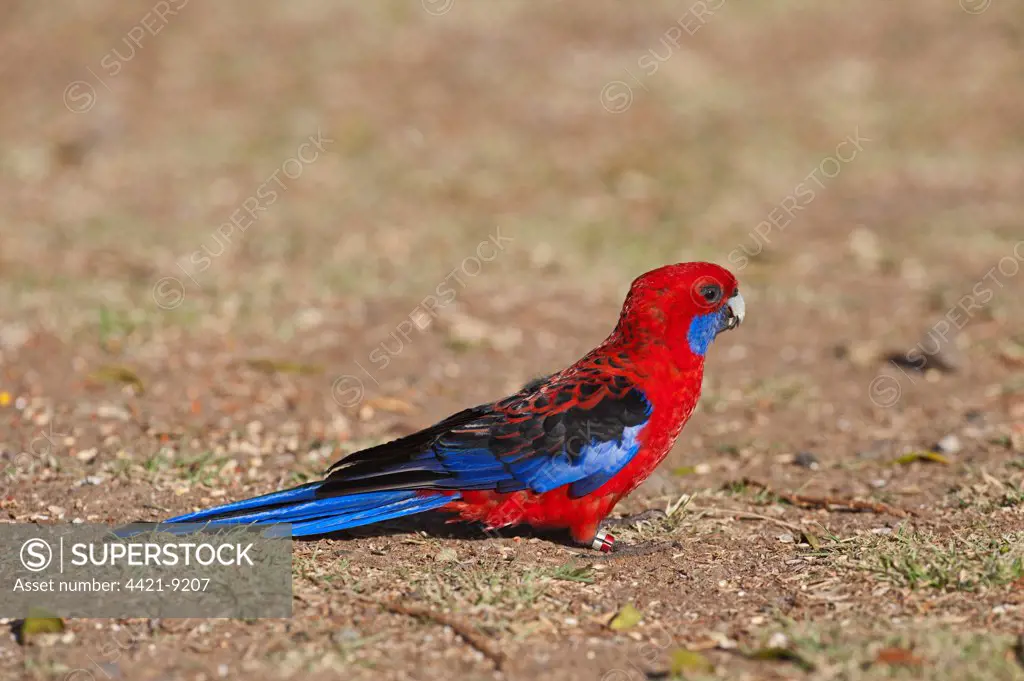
(577, 428)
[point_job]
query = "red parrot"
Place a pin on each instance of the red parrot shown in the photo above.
(560, 453)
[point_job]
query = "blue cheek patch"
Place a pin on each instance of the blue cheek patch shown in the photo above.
(703, 330)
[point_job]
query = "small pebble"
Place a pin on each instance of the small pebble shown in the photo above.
(950, 444)
(87, 455)
(113, 411)
(778, 640)
(723, 641)
(861, 354)
(786, 538)
(865, 247)
(807, 460)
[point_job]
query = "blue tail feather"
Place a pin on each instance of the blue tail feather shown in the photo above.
(295, 494)
(309, 515)
(390, 511)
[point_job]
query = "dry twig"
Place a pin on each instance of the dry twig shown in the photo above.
(464, 629)
(745, 515)
(831, 503)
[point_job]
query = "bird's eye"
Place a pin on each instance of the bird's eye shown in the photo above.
(712, 293)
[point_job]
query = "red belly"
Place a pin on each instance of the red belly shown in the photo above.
(554, 509)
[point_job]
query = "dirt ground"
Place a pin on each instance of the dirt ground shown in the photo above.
(218, 221)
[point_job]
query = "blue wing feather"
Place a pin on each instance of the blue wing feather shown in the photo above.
(605, 460)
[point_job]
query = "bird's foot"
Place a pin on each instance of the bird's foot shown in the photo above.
(606, 543)
(628, 520)
(622, 549)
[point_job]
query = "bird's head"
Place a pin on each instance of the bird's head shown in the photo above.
(683, 306)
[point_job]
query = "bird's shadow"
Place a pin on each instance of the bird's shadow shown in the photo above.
(436, 525)
(433, 524)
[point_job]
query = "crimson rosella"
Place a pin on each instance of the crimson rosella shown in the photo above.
(560, 453)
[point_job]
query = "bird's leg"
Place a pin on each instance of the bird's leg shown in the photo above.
(622, 550)
(626, 521)
(605, 541)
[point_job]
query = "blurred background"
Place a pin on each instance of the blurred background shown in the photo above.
(229, 223)
(307, 174)
(604, 141)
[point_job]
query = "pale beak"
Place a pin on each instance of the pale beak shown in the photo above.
(735, 309)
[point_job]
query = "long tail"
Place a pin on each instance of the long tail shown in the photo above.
(310, 514)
